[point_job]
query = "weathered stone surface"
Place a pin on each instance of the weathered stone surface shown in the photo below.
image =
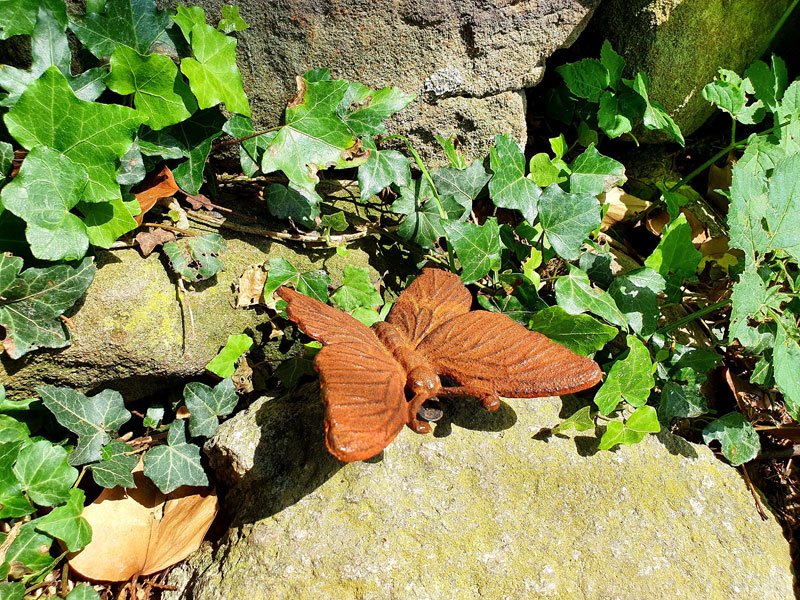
(132, 334)
(467, 60)
(481, 508)
(681, 44)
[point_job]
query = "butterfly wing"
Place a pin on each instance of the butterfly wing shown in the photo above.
(490, 355)
(362, 384)
(432, 299)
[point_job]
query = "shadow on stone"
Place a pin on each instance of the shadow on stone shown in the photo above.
(467, 412)
(676, 445)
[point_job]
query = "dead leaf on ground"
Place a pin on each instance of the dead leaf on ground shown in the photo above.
(141, 531)
(719, 178)
(251, 286)
(154, 188)
(717, 252)
(621, 207)
(199, 201)
(153, 238)
(751, 399)
(657, 220)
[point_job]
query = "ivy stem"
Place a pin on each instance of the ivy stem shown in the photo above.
(693, 316)
(718, 155)
(242, 139)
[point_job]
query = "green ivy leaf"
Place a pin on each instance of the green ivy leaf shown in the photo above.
(196, 258)
(675, 258)
(92, 134)
(477, 247)
(91, 419)
(65, 522)
(592, 173)
(313, 284)
(368, 316)
(83, 591)
(231, 21)
(313, 136)
(544, 172)
(383, 167)
(655, 117)
(11, 590)
(356, 290)
(12, 430)
(629, 379)
(641, 422)
(462, 185)
(31, 303)
(207, 404)
(13, 503)
(635, 294)
(587, 78)
(213, 74)
(680, 401)
(30, 548)
(17, 17)
(454, 157)
(176, 464)
(115, 469)
(44, 474)
(510, 188)
(292, 203)
(290, 371)
(363, 110)
(132, 23)
(580, 420)
(739, 440)
(44, 191)
(576, 295)
(567, 219)
(224, 363)
(580, 333)
(160, 94)
(423, 222)
(106, 221)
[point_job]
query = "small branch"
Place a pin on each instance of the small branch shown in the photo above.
(185, 232)
(216, 147)
(693, 316)
(753, 492)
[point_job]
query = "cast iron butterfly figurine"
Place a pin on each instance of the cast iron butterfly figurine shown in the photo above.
(365, 372)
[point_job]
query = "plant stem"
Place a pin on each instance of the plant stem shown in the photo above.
(777, 27)
(242, 139)
(693, 316)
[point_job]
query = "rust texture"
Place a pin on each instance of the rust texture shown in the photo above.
(374, 380)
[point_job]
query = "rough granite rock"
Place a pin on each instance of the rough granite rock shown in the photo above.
(482, 508)
(467, 60)
(132, 334)
(681, 44)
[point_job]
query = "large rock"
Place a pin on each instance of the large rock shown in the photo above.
(681, 44)
(482, 508)
(468, 61)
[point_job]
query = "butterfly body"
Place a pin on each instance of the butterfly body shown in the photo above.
(374, 380)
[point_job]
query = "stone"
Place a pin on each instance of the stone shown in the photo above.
(681, 44)
(484, 507)
(468, 61)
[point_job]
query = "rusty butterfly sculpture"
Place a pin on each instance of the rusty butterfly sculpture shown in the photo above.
(365, 372)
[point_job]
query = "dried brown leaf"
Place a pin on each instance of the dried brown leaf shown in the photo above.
(153, 238)
(154, 188)
(199, 201)
(621, 207)
(251, 286)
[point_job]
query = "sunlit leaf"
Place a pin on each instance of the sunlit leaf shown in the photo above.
(175, 464)
(739, 440)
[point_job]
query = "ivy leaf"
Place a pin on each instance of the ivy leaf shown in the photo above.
(250, 150)
(580, 420)
(614, 116)
(613, 62)
(567, 219)
(17, 17)
(363, 110)
(224, 363)
(423, 222)
(31, 303)
(132, 23)
(12, 430)
(65, 522)
(91, 419)
(368, 316)
(787, 370)
(680, 401)
(207, 404)
(336, 221)
(83, 591)
(462, 185)
(44, 474)
(383, 167)
(454, 157)
(115, 467)
(356, 290)
(675, 258)
(196, 258)
(629, 379)
(509, 188)
(592, 173)
(739, 440)
(313, 137)
(313, 284)
(635, 294)
(231, 21)
(30, 548)
(11, 590)
(106, 221)
(587, 78)
(580, 333)
(44, 191)
(576, 295)
(639, 424)
(290, 371)
(477, 247)
(160, 94)
(13, 503)
(544, 172)
(290, 203)
(213, 74)
(655, 117)
(92, 134)
(176, 464)
(194, 137)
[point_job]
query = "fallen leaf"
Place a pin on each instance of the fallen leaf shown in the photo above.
(139, 531)
(176, 213)
(154, 188)
(199, 201)
(656, 222)
(251, 286)
(751, 399)
(150, 240)
(717, 252)
(719, 178)
(621, 207)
